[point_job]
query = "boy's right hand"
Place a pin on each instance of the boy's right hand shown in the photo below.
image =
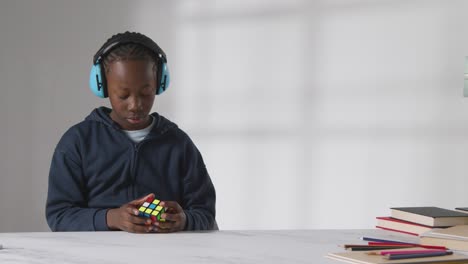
(126, 217)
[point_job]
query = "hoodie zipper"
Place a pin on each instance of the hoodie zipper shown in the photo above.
(133, 172)
(134, 159)
(136, 148)
(131, 191)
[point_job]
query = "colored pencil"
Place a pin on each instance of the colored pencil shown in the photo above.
(415, 245)
(396, 252)
(366, 247)
(382, 240)
(419, 255)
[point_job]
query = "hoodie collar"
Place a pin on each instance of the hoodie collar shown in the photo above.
(102, 115)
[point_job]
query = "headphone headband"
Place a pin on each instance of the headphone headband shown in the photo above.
(125, 38)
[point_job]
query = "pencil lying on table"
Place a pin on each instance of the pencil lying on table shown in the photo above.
(403, 252)
(418, 255)
(414, 245)
(381, 242)
(411, 253)
(353, 247)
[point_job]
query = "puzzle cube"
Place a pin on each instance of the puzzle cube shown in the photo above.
(152, 209)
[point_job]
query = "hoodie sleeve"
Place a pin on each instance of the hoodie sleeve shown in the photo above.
(66, 206)
(199, 194)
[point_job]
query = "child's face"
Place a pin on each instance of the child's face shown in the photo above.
(131, 87)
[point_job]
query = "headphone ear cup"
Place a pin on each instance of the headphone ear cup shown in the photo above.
(96, 83)
(164, 80)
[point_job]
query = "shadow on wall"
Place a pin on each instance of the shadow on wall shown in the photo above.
(301, 105)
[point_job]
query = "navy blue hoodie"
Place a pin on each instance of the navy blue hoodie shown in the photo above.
(96, 166)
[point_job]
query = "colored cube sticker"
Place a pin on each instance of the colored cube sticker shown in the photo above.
(152, 209)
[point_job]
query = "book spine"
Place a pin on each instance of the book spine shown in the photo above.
(399, 231)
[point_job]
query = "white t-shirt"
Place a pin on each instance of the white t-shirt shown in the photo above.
(138, 135)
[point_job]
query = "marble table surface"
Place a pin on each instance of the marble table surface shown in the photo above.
(256, 247)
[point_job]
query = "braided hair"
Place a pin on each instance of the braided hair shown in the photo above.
(129, 51)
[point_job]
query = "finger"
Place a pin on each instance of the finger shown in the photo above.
(141, 200)
(172, 204)
(171, 217)
(132, 210)
(164, 225)
(133, 216)
(171, 210)
(137, 220)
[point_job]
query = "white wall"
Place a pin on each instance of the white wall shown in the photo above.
(309, 114)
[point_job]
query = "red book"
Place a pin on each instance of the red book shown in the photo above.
(393, 224)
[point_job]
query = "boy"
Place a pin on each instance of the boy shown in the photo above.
(102, 165)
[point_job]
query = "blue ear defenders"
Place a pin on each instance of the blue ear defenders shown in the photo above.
(97, 77)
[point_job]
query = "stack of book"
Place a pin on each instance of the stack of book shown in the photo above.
(440, 231)
(419, 220)
(455, 238)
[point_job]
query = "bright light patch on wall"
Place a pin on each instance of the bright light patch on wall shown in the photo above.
(465, 90)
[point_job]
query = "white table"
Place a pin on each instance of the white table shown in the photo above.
(256, 247)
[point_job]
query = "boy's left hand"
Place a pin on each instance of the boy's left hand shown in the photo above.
(174, 216)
